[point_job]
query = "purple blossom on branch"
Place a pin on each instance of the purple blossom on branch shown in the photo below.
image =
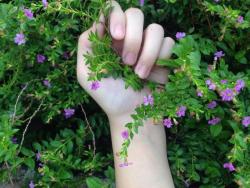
(240, 19)
(69, 112)
(167, 122)
(180, 35)
(20, 39)
(218, 55)
(229, 166)
(40, 58)
(94, 85)
(240, 84)
(47, 83)
(45, 3)
(212, 105)
(125, 134)
(227, 95)
(31, 184)
(216, 1)
(223, 81)
(214, 121)
(199, 93)
(246, 121)
(181, 111)
(14, 140)
(28, 13)
(148, 100)
(210, 84)
(141, 2)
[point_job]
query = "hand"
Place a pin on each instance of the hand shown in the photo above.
(138, 48)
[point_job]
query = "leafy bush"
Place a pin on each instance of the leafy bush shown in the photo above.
(53, 134)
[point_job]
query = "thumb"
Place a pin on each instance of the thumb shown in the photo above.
(84, 47)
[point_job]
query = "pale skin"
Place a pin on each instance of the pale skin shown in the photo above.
(139, 48)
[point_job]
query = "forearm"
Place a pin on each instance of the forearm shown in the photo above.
(147, 156)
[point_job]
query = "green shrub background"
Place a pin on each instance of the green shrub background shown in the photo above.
(77, 151)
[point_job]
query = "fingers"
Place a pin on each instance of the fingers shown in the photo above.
(117, 22)
(166, 49)
(133, 37)
(154, 35)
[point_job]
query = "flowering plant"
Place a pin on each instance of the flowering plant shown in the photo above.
(47, 137)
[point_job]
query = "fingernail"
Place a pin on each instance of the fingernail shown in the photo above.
(129, 58)
(142, 71)
(119, 32)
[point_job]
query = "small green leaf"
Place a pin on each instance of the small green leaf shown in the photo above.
(215, 130)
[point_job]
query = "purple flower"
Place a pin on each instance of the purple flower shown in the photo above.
(40, 58)
(210, 84)
(227, 95)
(141, 2)
(45, 3)
(229, 166)
(216, 1)
(31, 184)
(40, 165)
(240, 19)
(223, 81)
(212, 105)
(69, 112)
(38, 156)
(167, 122)
(218, 55)
(240, 84)
(46, 83)
(125, 134)
(66, 55)
(246, 121)
(95, 85)
(199, 93)
(181, 111)
(19, 38)
(14, 140)
(180, 35)
(28, 13)
(214, 121)
(148, 100)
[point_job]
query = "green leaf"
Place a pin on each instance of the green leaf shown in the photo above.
(30, 162)
(215, 130)
(94, 182)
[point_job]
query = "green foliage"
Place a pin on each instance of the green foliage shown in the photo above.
(75, 152)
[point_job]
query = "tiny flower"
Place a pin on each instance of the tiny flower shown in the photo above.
(45, 3)
(20, 38)
(167, 122)
(212, 105)
(199, 93)
(240, 84)
(125, 134)
(95, 85)
(210, 84)
(38, 156)
(40, 165)
(28, 13)
(214, 121)
(46, 83)
(40, 58)
(216, 1)
(31, 184)
(141, 2)
(223, 81)
(227, 95)
(218, 55)
(246, 121)
(14, 140)
(229, 166)
(180, 35)
(66, 55)
(69, 112)
(181, 111)
(148, 100)
(240, 19)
